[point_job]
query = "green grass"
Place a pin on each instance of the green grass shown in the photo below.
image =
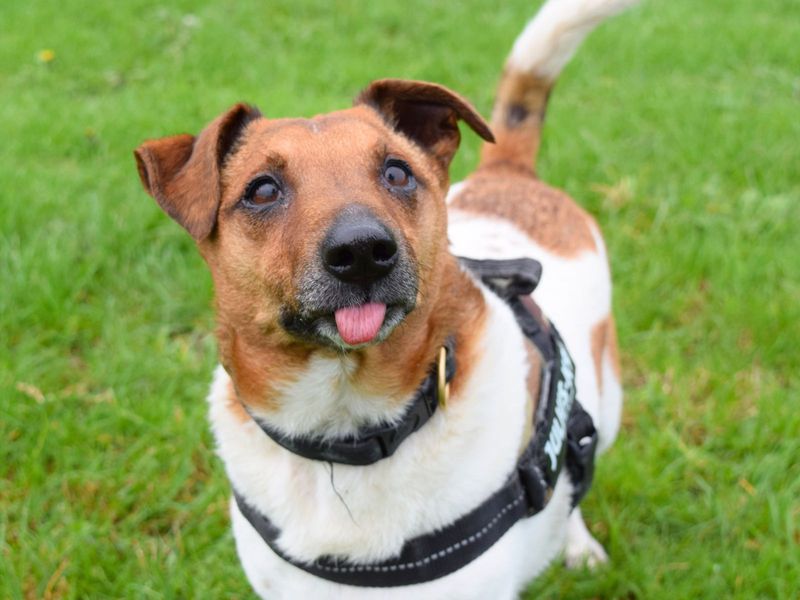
(678, 125)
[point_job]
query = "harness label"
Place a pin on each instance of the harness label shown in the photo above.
(565, 394)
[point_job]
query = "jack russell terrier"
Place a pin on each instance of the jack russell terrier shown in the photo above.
(395, 415)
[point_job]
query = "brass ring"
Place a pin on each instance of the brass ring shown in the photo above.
(443, 387)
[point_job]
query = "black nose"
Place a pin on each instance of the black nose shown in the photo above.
(359, 248)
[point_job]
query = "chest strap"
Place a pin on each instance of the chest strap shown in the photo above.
(564, 435)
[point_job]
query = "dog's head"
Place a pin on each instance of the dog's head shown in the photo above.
(326, 231)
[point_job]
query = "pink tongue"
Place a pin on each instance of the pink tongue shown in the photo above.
(359, 324)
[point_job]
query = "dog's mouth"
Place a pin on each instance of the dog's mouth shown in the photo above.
(335, 314)
(348, 327)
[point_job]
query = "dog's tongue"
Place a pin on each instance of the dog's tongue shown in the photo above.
(360, 324)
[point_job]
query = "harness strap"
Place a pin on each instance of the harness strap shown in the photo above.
(423, 558)
(434, 555)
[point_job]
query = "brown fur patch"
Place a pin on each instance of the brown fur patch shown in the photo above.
(517, 119)
(613, 348)
(599, 341)
(547, 215)
(234, 405)
(604, 340)
(533, 383)
(534, 378)
(258, 368)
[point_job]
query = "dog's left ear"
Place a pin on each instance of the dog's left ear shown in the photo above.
(425, 112)
(182, 172)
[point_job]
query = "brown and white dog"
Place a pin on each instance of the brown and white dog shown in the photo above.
(331, 243)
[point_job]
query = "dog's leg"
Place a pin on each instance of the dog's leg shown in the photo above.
(582, 549)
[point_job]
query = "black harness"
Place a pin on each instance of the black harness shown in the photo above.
(563, 435)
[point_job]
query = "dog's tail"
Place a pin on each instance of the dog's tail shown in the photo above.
(539, 54)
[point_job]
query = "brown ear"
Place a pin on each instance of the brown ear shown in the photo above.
(182, 172)
(425, 112)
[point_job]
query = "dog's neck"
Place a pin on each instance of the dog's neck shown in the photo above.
(303, 390)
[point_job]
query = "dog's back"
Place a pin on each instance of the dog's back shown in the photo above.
(504, 211)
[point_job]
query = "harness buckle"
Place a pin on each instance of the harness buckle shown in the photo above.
(582, 441)
(537, 491)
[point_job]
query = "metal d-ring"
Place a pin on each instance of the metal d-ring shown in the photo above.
(443, 387)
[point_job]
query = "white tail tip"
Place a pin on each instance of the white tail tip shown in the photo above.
(551, 38)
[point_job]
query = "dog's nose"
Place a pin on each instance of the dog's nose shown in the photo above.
(359, 248)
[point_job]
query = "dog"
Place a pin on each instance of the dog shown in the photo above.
(332, 245)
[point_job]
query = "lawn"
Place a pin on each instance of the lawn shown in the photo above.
(678, 125)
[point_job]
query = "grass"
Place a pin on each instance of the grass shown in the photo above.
(677, 125)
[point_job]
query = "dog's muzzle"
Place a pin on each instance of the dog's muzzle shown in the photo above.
(362, 285)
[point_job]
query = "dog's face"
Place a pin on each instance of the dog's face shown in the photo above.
(335, 218)
(324, 231)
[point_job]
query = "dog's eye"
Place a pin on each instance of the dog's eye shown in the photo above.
(262, 191)
(397, 174)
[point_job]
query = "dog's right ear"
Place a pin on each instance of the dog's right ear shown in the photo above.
(182, 172)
